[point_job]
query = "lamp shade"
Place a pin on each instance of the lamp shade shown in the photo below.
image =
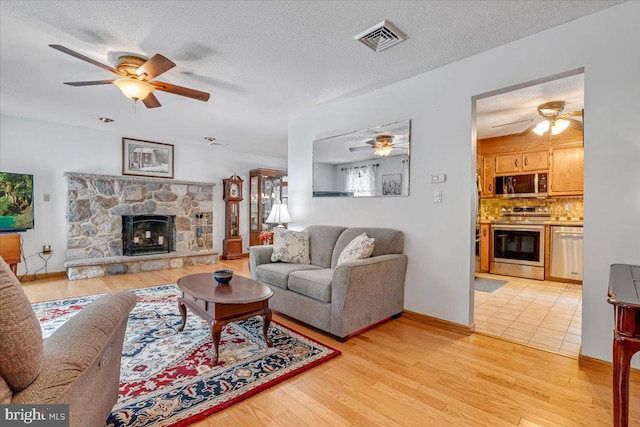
(279, 214)
(133, 88)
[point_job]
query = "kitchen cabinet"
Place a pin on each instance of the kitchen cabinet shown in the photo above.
(567, 171)
(508, 163)
(488, 173)
(266, 188)
(528, 161)
(535, 161)
(485, 247)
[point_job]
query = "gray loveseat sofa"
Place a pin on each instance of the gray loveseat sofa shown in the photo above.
(340, 300)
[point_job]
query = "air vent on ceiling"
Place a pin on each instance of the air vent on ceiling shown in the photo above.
(381, 36)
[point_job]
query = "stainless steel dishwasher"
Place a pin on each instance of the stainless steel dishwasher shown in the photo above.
(566, 252)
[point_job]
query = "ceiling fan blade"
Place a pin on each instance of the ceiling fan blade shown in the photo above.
(575, 113)
(359, 148)
(86, 59)
(151, 101)
(182, 91)
(155, 66)
(511, 123)
(92, 83)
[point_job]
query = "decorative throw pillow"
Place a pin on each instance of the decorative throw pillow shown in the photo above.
(290, 246)
(360, 247)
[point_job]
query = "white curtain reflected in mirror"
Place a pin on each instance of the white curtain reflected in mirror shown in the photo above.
(368, 163)
(360, 180)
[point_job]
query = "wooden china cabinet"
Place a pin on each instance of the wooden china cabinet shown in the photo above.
(266, 187)
(232, 195)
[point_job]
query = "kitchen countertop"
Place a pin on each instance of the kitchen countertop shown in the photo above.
(566, 223)
(561, 222)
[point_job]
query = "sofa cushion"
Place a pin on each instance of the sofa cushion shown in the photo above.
(277, 274)
(360, 247)
(21, 348)
(388, 241)
(290, 246)
(312, 283)
(322, 240)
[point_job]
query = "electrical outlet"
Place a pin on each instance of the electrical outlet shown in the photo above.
(437, 196)
(567, 207)
(46, 249)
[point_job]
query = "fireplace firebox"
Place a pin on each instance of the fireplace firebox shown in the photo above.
(148, 234)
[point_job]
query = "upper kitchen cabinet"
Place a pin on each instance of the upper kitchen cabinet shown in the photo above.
(535, 161)
(508, 163)
(567, 171)
(528, 161)
(488, 173)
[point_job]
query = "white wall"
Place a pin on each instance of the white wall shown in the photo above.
(439, 103)
(48, 150)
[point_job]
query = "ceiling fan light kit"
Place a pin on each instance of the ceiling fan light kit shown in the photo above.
(133, 88)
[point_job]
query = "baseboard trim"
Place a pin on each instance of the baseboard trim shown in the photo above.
(439, 323)
(29, 277)
(582, 359)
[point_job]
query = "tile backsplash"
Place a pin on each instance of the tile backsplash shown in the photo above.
(490, 208)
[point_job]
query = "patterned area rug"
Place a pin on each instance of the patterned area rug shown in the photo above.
(167, 377)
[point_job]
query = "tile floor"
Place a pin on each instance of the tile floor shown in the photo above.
(541, 314)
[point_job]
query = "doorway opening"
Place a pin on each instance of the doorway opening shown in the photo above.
(529, 149)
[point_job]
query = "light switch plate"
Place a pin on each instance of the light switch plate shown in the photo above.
(46, 197)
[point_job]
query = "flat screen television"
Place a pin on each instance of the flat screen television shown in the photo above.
(16, 202)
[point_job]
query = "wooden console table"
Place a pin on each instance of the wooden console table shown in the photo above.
(624, 291)
(10, 250)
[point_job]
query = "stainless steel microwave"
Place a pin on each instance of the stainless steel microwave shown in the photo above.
(525, 185)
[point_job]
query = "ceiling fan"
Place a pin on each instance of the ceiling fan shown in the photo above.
(383, 145)
(136, 76)
(554, 119)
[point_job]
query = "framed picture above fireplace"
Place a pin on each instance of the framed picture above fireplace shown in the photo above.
(146, 158)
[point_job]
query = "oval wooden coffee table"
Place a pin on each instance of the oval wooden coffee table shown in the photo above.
(220, 304)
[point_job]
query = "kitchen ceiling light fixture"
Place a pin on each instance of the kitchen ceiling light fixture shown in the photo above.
(133, 88)
(106, 120)
(558, 126)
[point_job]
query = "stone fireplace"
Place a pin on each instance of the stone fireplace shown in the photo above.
(97, 208)
(148, 234)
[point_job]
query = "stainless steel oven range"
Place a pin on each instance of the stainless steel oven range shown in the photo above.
(517, 242)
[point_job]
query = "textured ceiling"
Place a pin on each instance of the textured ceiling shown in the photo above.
(495, 115)
(263, 62)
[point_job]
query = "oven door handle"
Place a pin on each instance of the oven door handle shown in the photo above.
(539, 228)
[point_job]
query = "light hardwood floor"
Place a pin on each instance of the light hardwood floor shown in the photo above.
(405, 373)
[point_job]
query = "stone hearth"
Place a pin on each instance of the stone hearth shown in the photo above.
(96, 203)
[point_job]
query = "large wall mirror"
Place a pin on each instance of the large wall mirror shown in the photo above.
(367, 163)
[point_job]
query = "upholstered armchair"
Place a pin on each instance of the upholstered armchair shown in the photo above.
(79, 364)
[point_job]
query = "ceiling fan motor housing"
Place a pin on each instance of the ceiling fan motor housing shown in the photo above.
(551, 108)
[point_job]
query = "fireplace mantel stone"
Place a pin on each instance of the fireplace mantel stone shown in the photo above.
(96, 203)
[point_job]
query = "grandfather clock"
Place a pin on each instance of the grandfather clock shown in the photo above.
(232, 195)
